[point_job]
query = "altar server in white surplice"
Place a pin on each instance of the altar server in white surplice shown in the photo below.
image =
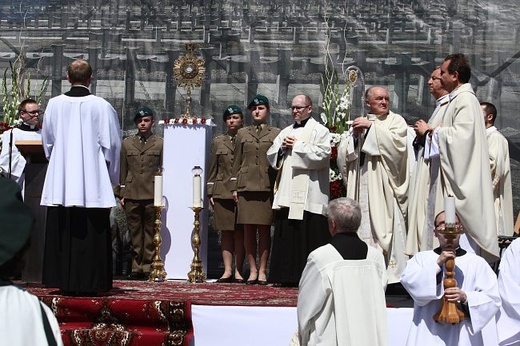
(459, 143)
(421, 204)
(82, 140)
(11, 160)
(500, 171)
(301, 154)
(377, 177)
(476, 295)
(509, 287)
(341, 298)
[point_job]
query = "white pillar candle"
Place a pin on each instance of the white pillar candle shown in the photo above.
(157, 191)
(196, 191)
(449, 210)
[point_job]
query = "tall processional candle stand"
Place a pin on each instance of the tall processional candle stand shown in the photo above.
(196, 274)
(157, 274)
(449, 312)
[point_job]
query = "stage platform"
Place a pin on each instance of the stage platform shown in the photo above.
(181, 313)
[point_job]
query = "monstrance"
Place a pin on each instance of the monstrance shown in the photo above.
(189, 72)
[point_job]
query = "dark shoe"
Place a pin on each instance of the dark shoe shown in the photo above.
(262, 282)
(227, 280)
(239, 281)
(137, 276)
(251, 282)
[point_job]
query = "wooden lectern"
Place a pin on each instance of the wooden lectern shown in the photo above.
(35, 169)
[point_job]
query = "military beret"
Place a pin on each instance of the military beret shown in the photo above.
(257, 101)
(232, 109)
(143, 112)
(17, 220)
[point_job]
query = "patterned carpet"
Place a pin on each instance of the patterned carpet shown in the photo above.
(149, 313)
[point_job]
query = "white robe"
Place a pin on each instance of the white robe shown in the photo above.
(464, 169)
(383, 188)
(342, 302)
(17, 161)
(421, 204)
(308, 159)
(21, 321)
(82, 140)
(508, 323)
(475, 277)
(501, 180)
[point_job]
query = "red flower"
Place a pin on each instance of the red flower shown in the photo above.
(184, 121)
(166, 121)
(176, 121)
(333, 153)
(203, 120)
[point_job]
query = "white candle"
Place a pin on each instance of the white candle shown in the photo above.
(196, 191)
(449, 210)
(157, 191)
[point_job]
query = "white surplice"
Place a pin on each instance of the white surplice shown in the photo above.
(383, 187)
(17, 160)
(475, 277)
(82, 140)
(21, 321)
(342, 302)
(501, 180)
(304, 177)
(509, 287)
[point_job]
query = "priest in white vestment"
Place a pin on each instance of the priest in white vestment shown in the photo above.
(500, 171)
(375, 150)
(341, 298)
(459, 143)
(421, 203)
(12, 162)
(82, 140)
(476, 295)
(301, 154)
(23, 318)
(508, 323)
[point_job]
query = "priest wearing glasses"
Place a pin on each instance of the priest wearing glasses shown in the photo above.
(12, 163)
(300, 153)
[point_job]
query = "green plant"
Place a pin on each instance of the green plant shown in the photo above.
(16, 86)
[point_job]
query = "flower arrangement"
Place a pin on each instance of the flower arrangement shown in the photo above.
(183, 120)
(337, 188)
(336, 115)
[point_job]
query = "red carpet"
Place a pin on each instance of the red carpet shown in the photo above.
(148, 313)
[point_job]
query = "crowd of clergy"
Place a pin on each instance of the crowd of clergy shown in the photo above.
(397, 178)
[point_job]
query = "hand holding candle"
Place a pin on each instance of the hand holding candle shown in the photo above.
(157, 191)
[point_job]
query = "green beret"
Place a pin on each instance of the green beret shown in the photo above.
(143, 112)
(258, 100)
(232, 109)
(17, 220)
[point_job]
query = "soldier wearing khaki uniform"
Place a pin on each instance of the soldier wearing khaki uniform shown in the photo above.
(219, 188)
(254, 179)
(141, 159)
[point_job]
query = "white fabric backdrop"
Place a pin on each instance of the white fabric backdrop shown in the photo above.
(273, 326)
(185, 146)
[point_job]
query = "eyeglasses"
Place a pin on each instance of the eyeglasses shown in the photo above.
(33, 113)
(298, 107)
(442, 228)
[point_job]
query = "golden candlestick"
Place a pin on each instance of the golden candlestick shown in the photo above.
(196, 275)
(449, 312)
(158, 274)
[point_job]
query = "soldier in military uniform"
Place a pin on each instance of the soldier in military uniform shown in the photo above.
(254, 179)
(141, 159)
(220, 196)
